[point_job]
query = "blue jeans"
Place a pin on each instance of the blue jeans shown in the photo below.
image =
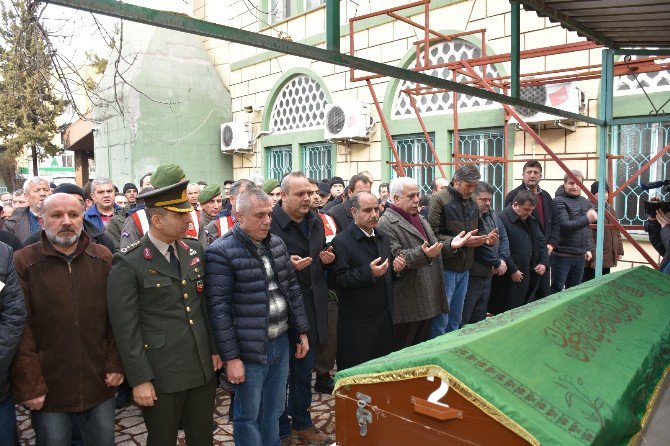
(7, 422)
(567, 271)
(299, 398)
(55, 428)
(456, 285)
(261, 398)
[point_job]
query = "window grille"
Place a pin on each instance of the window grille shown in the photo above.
(442, 103)
(279, 162)
(279, 10)
(317, 161)
(487, 142)
(310, 4)
(413, 149)
(637, 143)
(301, 104)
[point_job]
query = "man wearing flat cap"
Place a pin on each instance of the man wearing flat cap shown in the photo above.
(157, 309)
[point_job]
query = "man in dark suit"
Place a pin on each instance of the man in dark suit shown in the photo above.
(544, 212)
(362, 275)
(303, 233)
(342, 212)
(528, 258)
(158, 313)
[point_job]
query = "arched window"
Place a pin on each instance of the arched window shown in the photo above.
(442, 103)
(301, 104)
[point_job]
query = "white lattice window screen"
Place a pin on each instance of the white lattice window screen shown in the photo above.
(652, 82)
(301, 104)
(442, 103)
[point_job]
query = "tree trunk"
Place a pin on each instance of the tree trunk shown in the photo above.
(36, 170)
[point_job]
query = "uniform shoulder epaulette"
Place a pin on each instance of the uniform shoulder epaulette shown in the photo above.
(130, 247)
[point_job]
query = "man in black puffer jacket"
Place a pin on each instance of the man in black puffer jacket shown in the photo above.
(575, 213)
(12, 322)
(253, 298)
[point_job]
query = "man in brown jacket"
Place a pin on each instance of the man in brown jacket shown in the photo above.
(67, 364)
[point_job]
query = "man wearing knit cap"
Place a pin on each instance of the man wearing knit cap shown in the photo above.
(158, 314)
(271, 187)
(130, 191)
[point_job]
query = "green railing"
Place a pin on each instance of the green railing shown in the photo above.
(413, 149)
(638, 143)
(279, 162)
(317, 160)
(487, 142)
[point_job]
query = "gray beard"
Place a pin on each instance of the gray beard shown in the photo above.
(63, 242)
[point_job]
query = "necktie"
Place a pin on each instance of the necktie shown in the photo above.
(174, 260)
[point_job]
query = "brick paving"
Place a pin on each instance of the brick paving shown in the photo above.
(130, 430)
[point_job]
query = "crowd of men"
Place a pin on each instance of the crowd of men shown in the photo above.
(164, 292)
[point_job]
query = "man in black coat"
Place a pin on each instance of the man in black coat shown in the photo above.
(528, 258)
(362, 275)
(12, 323)
(303, 233)
(342, 212)
(544, 212)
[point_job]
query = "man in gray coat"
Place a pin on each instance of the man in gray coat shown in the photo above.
(419, 293)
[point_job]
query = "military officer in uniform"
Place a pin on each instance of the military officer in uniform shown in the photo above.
(158, 314)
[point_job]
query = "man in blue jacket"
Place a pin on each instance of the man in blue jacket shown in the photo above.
(12, 322)
(104, 208)
(253, 297)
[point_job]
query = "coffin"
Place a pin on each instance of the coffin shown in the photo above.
(585, 366)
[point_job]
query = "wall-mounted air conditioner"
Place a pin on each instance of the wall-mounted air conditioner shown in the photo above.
(348, 121)
(235, 137)
(562, 96)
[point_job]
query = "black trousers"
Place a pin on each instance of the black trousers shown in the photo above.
(194, 407)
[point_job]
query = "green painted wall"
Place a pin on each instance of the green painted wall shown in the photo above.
(169, 109)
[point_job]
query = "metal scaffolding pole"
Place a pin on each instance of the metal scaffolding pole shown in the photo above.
(605, 114)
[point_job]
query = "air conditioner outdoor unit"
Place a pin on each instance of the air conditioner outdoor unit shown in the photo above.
(348, 121)
(562, 96)
(235, 137)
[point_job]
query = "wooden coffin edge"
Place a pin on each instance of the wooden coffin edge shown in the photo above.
(651, 406)
(454, 383)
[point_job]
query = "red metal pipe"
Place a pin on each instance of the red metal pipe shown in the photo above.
(399, 168)
(425, 133)
(562, 165)
(639, 172)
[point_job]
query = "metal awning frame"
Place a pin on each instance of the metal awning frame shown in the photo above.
(331, 54)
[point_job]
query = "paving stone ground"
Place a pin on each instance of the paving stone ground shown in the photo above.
(130, 430)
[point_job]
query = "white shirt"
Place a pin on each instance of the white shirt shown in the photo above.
(162, 246)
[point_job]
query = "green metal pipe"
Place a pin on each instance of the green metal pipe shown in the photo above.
(333, 25)
(182, 23)
(605, 114)
(639, 120)
(642, 52)
(515, 48)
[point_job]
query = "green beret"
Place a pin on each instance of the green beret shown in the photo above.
(209, 192)
(169, 189)
(269, 185)
(166, 175)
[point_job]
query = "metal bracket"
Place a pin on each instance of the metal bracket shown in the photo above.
(363, 416)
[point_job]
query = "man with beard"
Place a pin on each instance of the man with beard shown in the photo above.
(489, 259)
(67, 364)
(362, 275)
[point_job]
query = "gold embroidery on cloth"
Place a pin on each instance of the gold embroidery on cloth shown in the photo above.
(650, 406)
(458, 386)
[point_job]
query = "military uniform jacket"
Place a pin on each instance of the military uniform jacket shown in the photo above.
(159, 316)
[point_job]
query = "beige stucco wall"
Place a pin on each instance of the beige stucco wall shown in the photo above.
(251, 85)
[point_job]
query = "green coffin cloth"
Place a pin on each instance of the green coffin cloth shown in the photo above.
(578, 367)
